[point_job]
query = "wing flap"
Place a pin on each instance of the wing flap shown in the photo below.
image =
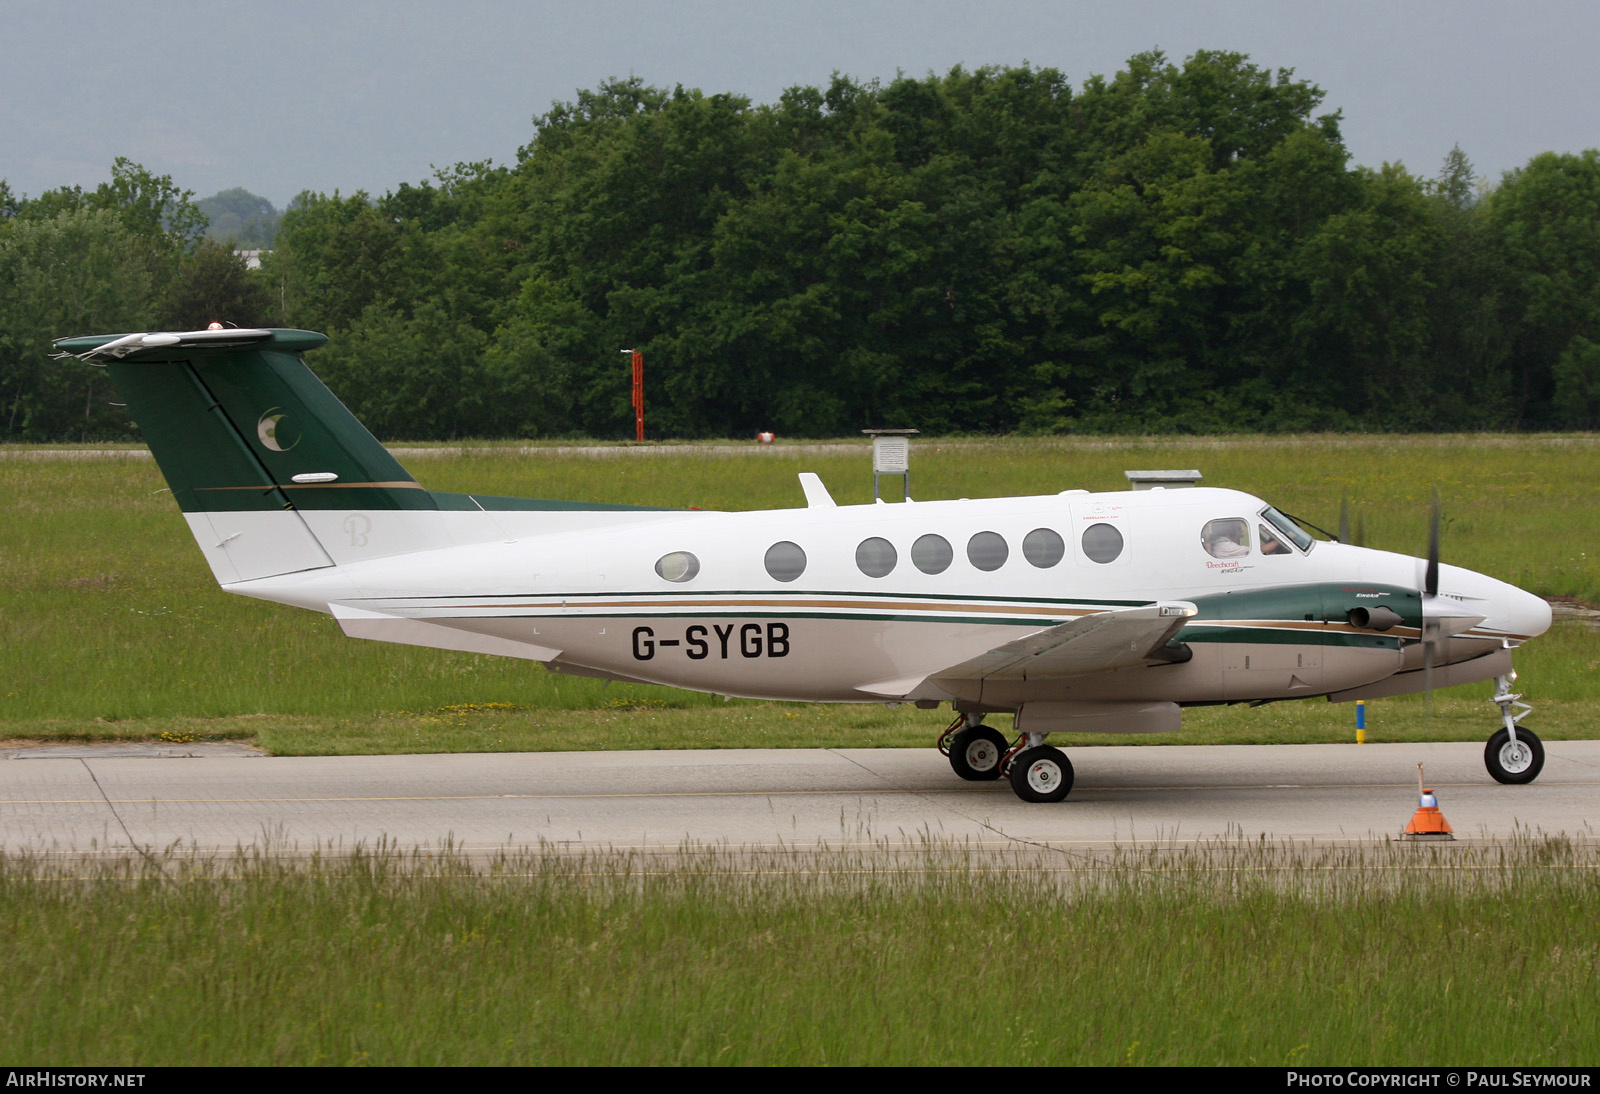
(1118, 639)
(1099, 642)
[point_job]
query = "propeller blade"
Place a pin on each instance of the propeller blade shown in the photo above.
(1432, 626)
(1361, 530)
(1344, 520)
(1431, 584)
(1429, 648)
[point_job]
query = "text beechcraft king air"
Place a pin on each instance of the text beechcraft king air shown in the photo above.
(1077, 612)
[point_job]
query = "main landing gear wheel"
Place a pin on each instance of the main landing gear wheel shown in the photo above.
(1041, 774)
(1518, 761)
(975, 753)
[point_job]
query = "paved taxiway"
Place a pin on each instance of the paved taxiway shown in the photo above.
(795, 798)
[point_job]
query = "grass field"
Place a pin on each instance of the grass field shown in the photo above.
(1233, 953)
(114, 629)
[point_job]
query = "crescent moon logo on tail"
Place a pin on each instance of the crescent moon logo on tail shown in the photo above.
(275, 433)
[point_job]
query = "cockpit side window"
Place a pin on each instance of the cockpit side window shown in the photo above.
(1291, 531)
(1227, 537)
(1271, 544)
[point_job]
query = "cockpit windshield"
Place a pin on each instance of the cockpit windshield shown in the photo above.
(1292, 531)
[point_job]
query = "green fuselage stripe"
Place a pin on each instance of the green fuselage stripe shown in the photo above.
(941, 598)
(1202, 632)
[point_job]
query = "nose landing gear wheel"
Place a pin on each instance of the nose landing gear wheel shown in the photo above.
(975, 753)
(1041, 774)
(1518, 761)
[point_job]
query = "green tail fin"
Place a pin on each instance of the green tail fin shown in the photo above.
(238, 423)
(273, 474)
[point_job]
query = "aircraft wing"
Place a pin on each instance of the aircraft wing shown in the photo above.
(1117, 639)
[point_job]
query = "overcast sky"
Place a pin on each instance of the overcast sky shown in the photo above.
(280, 96)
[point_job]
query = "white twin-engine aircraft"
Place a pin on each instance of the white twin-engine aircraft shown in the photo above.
(1077, 612)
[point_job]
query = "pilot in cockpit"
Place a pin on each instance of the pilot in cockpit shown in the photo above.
(1228, 538)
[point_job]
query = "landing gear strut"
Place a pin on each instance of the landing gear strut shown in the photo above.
(1513, 755)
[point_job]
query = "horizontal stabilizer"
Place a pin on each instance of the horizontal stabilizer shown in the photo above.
(361, 623)
(131, 345)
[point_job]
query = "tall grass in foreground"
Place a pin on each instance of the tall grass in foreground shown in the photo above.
(1230, 953)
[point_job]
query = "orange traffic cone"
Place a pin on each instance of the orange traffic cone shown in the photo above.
(1427, 823)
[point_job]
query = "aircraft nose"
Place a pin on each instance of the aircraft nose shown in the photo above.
(1520, 613)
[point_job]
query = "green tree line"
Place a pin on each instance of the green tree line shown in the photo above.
(237, 216)
(1178, 247)
(128, 255)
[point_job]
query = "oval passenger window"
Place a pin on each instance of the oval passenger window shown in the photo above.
(1102, 542)
(987, 550)
(785, 561)
(876, 557)
(1044, 547)
(678, 566)
(932, 554)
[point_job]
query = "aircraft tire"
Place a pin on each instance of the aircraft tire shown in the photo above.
(976, 752)
(1514, 763)
(1042, 774)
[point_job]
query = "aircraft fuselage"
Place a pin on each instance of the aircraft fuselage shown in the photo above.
(1268, 626)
